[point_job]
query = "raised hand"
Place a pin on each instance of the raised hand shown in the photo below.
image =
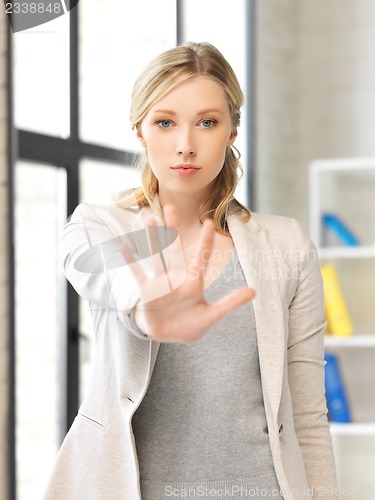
(179, 313)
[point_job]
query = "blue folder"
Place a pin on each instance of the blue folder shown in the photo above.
(337, 404)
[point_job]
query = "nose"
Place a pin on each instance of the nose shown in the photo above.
(185, 144)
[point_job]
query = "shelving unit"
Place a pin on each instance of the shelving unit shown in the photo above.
(354, 429)
(363, 252)
(367, 340)
(346, 188)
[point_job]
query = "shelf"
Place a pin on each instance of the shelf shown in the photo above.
(350, 341)
(343, 164)
(359, 252)
(353, 429)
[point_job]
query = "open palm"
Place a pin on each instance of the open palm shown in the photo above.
(172, 306)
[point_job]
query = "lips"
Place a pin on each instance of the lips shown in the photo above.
(185, 169)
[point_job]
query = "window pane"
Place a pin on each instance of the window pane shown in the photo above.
(117, 39)
(39, 195)
(98, 180)
(41, 78)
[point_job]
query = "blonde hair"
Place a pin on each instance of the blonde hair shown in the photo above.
(160, 76)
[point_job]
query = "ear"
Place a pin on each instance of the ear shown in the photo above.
(140, 136)
(232, 137)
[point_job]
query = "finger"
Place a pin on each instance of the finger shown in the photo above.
(231, 302)
(175, 254)
(170, 216)
(204, 247)
(135, 267)
(154, 246)
(152, 237)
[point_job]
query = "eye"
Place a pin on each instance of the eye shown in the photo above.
(164, 123)
(208, 123)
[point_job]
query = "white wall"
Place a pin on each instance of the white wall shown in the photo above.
(315, 93)
(277, 178)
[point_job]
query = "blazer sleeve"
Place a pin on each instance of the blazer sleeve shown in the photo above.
(92, 259)
(305, 356)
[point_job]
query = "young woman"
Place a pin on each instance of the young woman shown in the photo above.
(201, 389)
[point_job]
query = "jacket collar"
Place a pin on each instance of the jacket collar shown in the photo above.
(259, 264)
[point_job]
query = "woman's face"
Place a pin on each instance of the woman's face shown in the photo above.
(186, 134)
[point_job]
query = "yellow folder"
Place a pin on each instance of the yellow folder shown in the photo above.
(336, 311)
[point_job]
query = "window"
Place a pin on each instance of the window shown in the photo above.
(41, 78)
(117, 39)
(39, 212)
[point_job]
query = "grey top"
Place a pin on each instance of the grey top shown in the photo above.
(202, 419)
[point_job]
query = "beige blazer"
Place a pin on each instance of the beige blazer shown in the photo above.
(98, 460)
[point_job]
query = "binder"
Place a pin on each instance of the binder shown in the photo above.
(340, 229)
(336, 311)
(337, 403)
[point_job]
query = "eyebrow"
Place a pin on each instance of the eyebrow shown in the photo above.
(200, 113)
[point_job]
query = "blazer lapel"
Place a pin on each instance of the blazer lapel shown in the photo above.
(258, 262)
